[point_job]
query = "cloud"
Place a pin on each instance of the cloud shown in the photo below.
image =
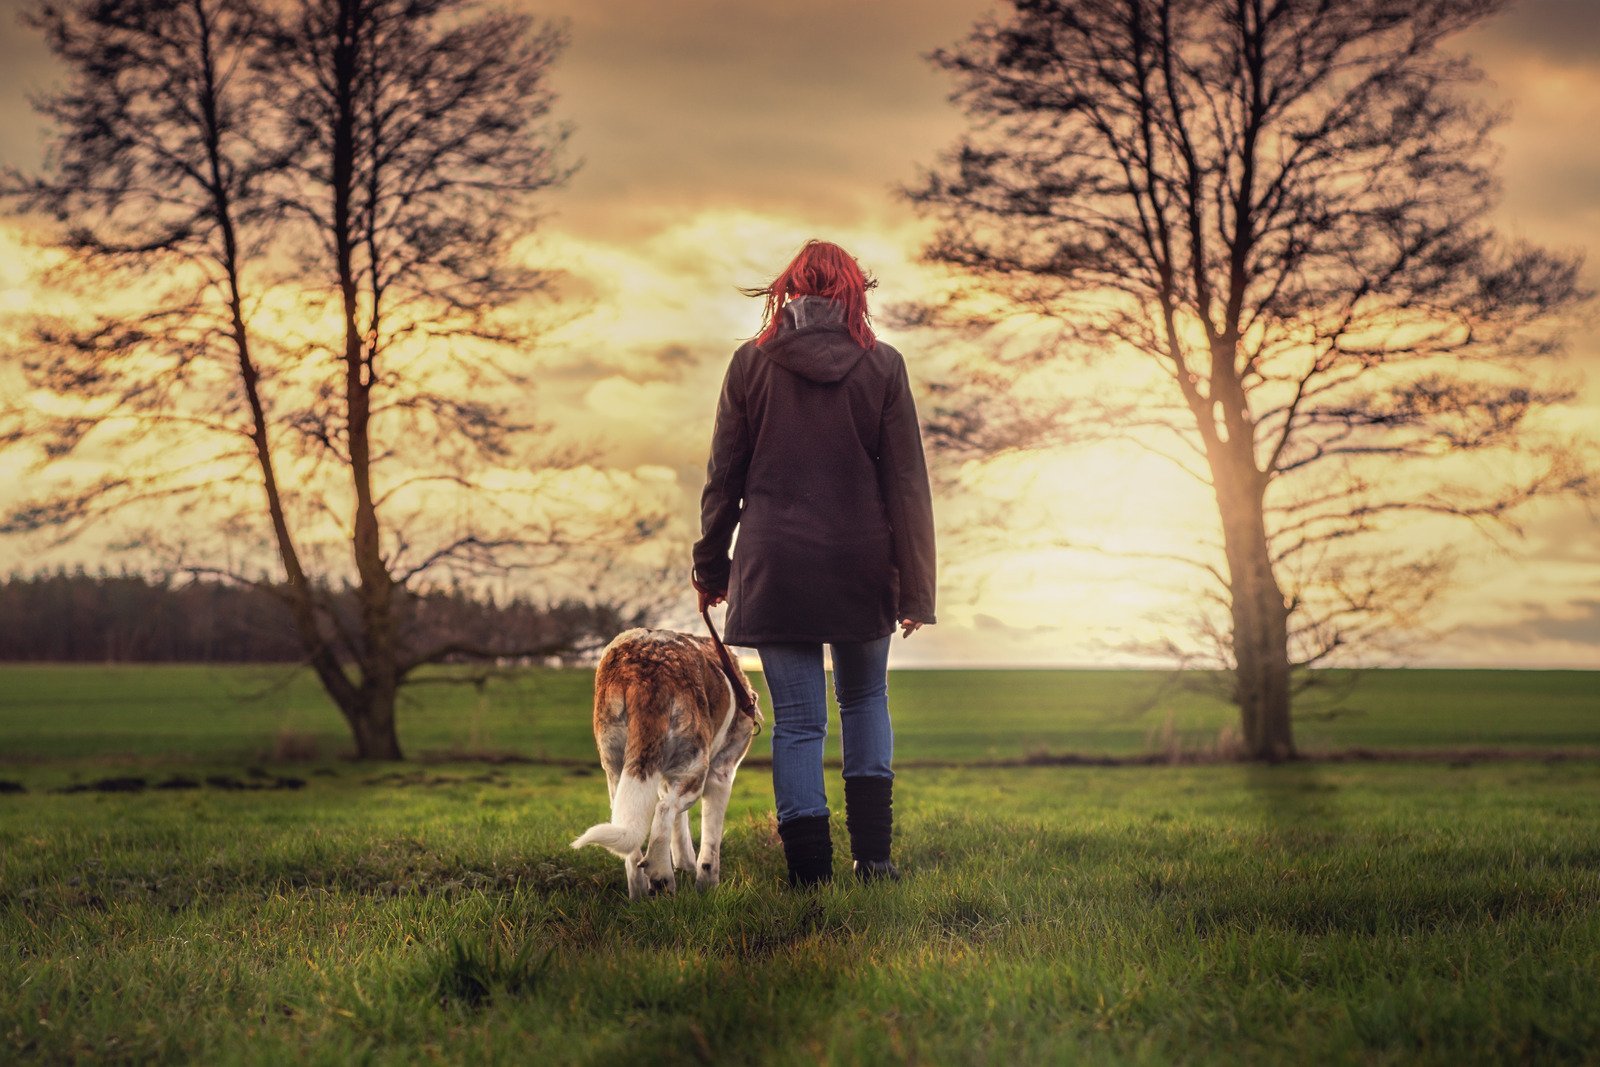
(674, 359)
(1570, 535)
(1573, 623)
(1561, 31)
(989, 622)
(718, 135)
(707, 103)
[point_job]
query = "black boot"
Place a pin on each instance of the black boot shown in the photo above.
(808, 846)
(869, 815)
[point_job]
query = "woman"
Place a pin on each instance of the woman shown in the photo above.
(816, 457)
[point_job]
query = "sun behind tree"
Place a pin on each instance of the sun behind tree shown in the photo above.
(1284, 206)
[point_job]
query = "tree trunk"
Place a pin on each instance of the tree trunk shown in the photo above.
(372, 724)
(1260, 616)
(380, 670)
(322, 658)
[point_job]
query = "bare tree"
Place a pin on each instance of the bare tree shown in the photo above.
(1275, 213)
(238, 173)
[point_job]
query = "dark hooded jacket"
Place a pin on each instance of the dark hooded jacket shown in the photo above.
(817, 458)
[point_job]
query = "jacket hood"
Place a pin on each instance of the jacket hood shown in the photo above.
(813, 340)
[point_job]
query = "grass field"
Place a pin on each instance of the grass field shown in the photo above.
(1439, 912)
(244, 713)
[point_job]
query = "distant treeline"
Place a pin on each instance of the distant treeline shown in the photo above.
(76, 616)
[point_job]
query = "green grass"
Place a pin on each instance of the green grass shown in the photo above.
(244, 713)
(1374, 913)
(1317, 912)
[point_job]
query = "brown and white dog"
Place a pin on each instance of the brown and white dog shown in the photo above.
(669, 732)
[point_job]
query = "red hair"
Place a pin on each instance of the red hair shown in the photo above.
(821, 268)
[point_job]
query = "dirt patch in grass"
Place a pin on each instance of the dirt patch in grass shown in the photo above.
(259, 780)
(106, 785)
(423, 778)
(1453, 757)
(490, 756)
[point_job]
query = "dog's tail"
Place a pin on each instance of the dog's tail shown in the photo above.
(632, 813)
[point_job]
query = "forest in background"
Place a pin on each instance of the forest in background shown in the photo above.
(78, 616)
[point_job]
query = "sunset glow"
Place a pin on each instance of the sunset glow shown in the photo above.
(715, 138)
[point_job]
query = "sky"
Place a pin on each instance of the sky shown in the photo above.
(714, 137)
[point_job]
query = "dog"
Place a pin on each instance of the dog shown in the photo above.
(669, 732)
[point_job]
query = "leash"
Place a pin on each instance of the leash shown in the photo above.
(741, 696)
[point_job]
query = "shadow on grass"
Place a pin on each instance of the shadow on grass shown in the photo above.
(662, 982)
(1296, 803)
(474, 975)
(1376, 911)
(726, 1011)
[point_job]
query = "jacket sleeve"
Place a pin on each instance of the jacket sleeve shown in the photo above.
(721, 500)
(903, 476)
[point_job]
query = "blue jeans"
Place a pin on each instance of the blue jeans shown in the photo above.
(796, 683)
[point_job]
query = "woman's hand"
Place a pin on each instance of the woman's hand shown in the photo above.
(909, 627)
(708, 598)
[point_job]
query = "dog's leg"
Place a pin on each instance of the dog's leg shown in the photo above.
(638, 881)
(713, 812)
(683, 841)
(689, 790)
(658, 855)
